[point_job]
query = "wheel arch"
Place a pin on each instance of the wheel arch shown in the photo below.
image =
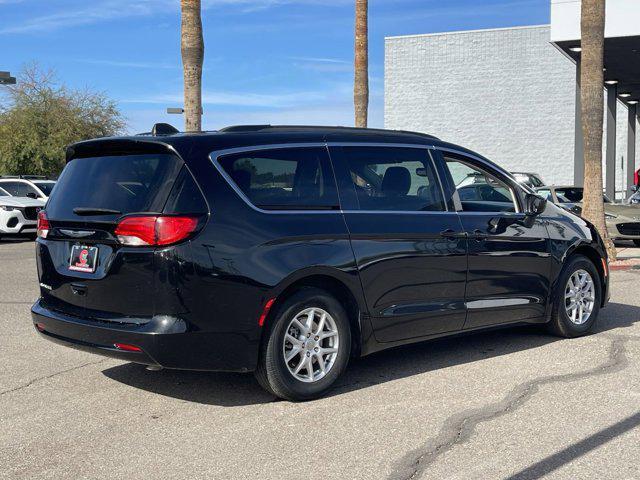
(331, 282)
(592, 253)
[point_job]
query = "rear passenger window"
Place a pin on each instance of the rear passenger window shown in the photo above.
(281, 179)
(390, 178)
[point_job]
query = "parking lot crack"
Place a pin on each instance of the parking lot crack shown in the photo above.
(460, 427)
(51, 375)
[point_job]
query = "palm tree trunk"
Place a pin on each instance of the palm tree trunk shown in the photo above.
(592, 97)
(192, 48)
(361, 81)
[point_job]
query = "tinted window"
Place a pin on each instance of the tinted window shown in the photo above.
(125, 183)
(574, 195)
(477, 189)
(400, 179)
(185, 196)
(18, 189)
(288, 178)
(3, 193)
(46, 187)
(569, 195)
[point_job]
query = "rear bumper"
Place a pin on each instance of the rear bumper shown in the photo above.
(164, 341)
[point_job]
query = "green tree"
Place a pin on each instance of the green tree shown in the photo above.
(39, 117)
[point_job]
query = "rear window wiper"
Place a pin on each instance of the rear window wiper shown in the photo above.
(86, 211)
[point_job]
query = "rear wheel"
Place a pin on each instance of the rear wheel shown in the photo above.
(307, 348)
(577, 299)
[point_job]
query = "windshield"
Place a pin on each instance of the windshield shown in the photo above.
(529, 179)
(46, 187)
(3, 193)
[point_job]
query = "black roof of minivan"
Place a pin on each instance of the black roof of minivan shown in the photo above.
(248, 135)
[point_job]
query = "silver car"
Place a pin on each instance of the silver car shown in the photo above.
(623, 221)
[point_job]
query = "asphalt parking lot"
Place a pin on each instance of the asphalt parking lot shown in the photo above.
(510, 404)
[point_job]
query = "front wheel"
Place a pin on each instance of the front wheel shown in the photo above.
(577, 298)
(307, 348)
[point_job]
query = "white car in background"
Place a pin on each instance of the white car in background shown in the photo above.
(18, 215)
(27, 186)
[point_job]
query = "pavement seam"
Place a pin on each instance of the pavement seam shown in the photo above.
(46, 377)
(461, 426)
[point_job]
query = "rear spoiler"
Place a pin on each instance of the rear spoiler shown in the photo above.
(116, 146)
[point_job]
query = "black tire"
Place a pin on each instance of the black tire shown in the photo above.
(636, 243)
(560, 323)
(272, 372)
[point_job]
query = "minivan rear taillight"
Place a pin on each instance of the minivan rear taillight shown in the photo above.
(155, 230)
(43, 224)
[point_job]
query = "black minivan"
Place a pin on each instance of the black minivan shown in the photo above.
(288, 250)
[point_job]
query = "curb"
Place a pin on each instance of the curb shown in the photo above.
(621, 265)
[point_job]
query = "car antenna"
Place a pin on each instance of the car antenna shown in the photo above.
(163, 129)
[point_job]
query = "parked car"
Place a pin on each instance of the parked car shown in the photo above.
(18, 215)
(532, 180)
(28, 186)
(635, 198)
(623, 221)
(288, 250)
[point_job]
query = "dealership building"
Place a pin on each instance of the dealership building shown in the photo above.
(512, 94)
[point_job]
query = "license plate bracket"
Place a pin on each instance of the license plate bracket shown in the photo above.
(83, 258)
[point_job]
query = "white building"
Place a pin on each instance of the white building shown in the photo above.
(510, 94)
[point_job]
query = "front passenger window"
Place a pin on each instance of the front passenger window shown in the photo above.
(478, 190)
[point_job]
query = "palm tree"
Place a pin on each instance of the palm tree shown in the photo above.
(192, 48)
(592, 98)
(361, 81)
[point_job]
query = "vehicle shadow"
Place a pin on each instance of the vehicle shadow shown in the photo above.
(233, 389)
(16, 239)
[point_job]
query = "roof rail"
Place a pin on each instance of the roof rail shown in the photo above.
(244, 128)
(257, 128)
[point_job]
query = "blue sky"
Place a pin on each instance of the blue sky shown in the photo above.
(266, 61)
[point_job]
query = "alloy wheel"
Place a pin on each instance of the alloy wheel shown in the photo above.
(579, 297)
(310, 345)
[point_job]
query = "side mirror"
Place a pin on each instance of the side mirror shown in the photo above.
(534, 204)
(32, 195)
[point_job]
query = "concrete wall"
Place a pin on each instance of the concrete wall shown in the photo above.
(621, 19)
(507, 94)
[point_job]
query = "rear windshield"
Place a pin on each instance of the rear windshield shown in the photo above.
(122, 184)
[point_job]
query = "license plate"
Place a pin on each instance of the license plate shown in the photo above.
(83, 258)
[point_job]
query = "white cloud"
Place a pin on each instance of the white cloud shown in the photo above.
(128, 64)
